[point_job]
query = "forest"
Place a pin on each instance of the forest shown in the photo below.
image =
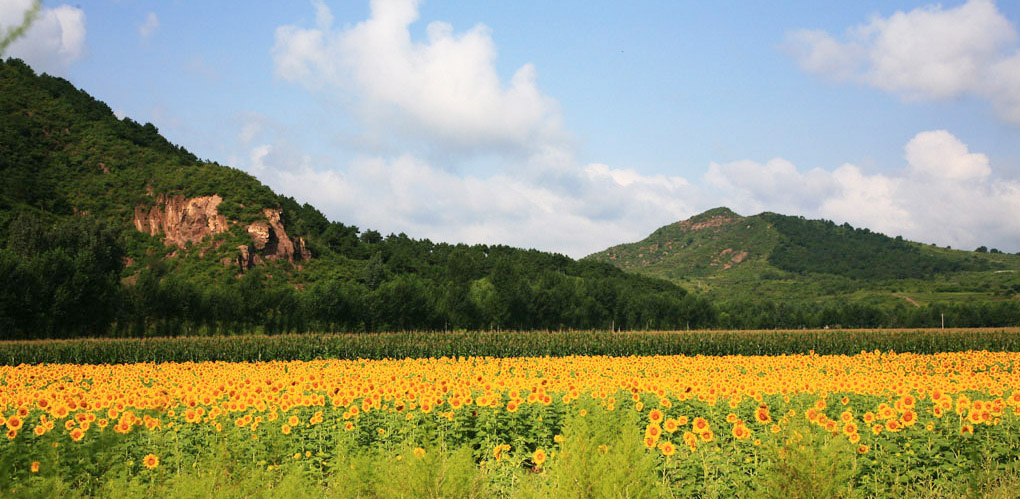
(63, 280)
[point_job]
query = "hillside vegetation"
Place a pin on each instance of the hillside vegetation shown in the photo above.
(106, 228)
(772, 270)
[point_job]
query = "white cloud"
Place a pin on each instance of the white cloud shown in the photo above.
(944, 194)
(54, 41)
(323, 16)
(149, 26)
(821, 54)
(927, 53)
(444, 93)
(444, 90)
(601, 207)
(750, 187)
(940, 155)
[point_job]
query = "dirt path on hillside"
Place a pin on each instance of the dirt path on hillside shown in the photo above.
(909, 299)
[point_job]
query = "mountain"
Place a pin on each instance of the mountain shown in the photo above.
(107, 228)
(777, 258)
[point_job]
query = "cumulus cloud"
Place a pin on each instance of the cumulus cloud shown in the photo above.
(943, 194)
(444, 92)
(927, 53)
(444, 89)
(54, 41)
(600, 208)
(149, 26)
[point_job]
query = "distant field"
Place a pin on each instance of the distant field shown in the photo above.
(505, 344)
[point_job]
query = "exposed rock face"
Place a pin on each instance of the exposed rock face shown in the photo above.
(260, 234)
(270, 238)
(302, 250)
(181, 220)
(246, 258)
(716, 221)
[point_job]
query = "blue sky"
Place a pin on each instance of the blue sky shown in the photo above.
(572, 126)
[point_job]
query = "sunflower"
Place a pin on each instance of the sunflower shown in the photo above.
(670, 425)
(35, 466)
(538, 457)
(908, 418)
(419, 452)
(655, 415)
(285, 429)
(14, 423)
(700, 425)
(150, 461)
(667, 448)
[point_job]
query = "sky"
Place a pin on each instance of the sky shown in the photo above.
(573, 126)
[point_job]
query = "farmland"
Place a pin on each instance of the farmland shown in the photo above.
(418, 344)
(872, 422)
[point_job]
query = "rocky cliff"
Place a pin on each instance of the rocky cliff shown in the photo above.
(190, 220)
(271, 242)
(181, 220)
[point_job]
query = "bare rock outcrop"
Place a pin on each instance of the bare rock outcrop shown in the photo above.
(246, 258)
(184, 220)
(181, 220)
(715, 221)
(270, 238)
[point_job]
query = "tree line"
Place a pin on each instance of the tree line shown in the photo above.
(66, 278)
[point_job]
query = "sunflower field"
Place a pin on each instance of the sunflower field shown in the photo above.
(871, 424)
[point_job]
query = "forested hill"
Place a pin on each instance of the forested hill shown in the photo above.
(106, 228)
(769, 260)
